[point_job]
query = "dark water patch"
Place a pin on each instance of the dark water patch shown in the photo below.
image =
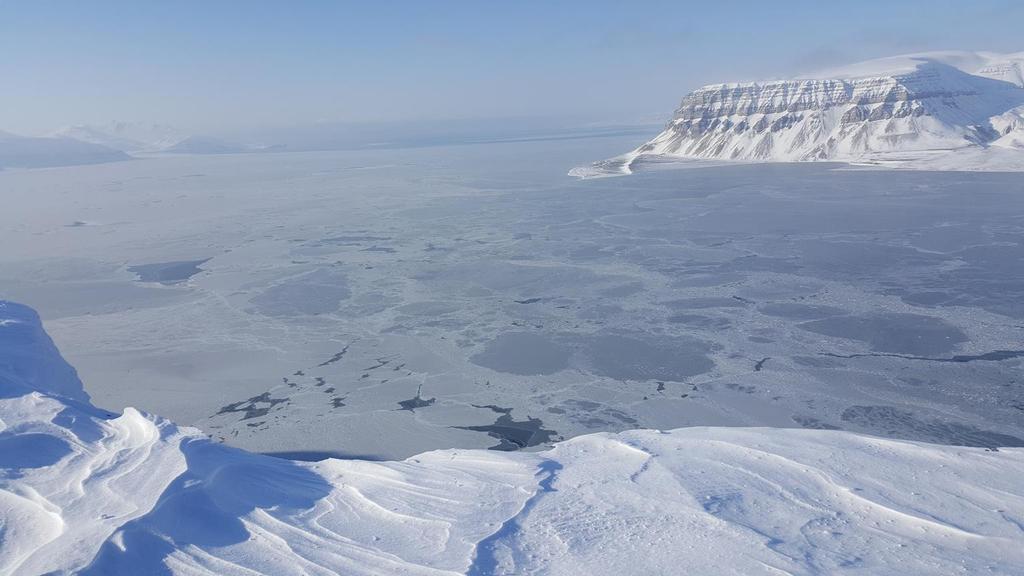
(380, 363)
(582, 404)
(515, 434)
(622, 291)
(796, 311)
(893, 332)
(703, 280)
(812, 362)
(316, 292)
(855, 259)
(337, 402)
(528, 301)
(254, 407)
(762, 264)
(995, 356)
(493, 408)
(337, 356)
(928, 298)
(634, 358)
(523, 353)
(167, 273)
(417, 401)
(429, 308)
(594, 414)
(989, 277)
(814, 423)
(898, 423)
(705, 302)
(760, 364)
(949, 238)
(700, 321)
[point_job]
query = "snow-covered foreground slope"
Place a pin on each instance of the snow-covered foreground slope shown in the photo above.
(900, 112)
(85, 492)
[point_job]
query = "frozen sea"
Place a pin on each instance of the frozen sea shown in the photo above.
(383, 303)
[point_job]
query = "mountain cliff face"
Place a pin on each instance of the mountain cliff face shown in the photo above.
(920, 103)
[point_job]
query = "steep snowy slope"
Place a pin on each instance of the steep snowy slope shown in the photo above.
(896, 110)
(85, 492)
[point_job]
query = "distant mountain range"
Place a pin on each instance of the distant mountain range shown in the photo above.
(28, 152)
(937, 110)
(149, 138)
(87, 144)
(115, 140)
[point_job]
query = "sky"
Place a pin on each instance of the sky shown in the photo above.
(223, 65)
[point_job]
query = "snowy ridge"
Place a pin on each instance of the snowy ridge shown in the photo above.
(893, 111)
(84, 492)
(125, 136)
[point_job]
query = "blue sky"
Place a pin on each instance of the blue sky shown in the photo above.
(213, 65)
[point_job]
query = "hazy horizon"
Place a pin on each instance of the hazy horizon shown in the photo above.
(224, 69)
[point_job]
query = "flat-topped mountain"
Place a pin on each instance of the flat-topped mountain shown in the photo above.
(905, 110)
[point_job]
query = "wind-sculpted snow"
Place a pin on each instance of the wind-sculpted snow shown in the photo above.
(898, 111)
(85, 492)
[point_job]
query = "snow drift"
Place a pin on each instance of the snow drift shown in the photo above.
(86, 492)
(939, 110)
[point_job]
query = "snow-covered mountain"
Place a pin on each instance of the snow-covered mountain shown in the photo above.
(149, 138)
(939, 110)
(28, 152)
(83, 491)
(125, 136)
(204, 145)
